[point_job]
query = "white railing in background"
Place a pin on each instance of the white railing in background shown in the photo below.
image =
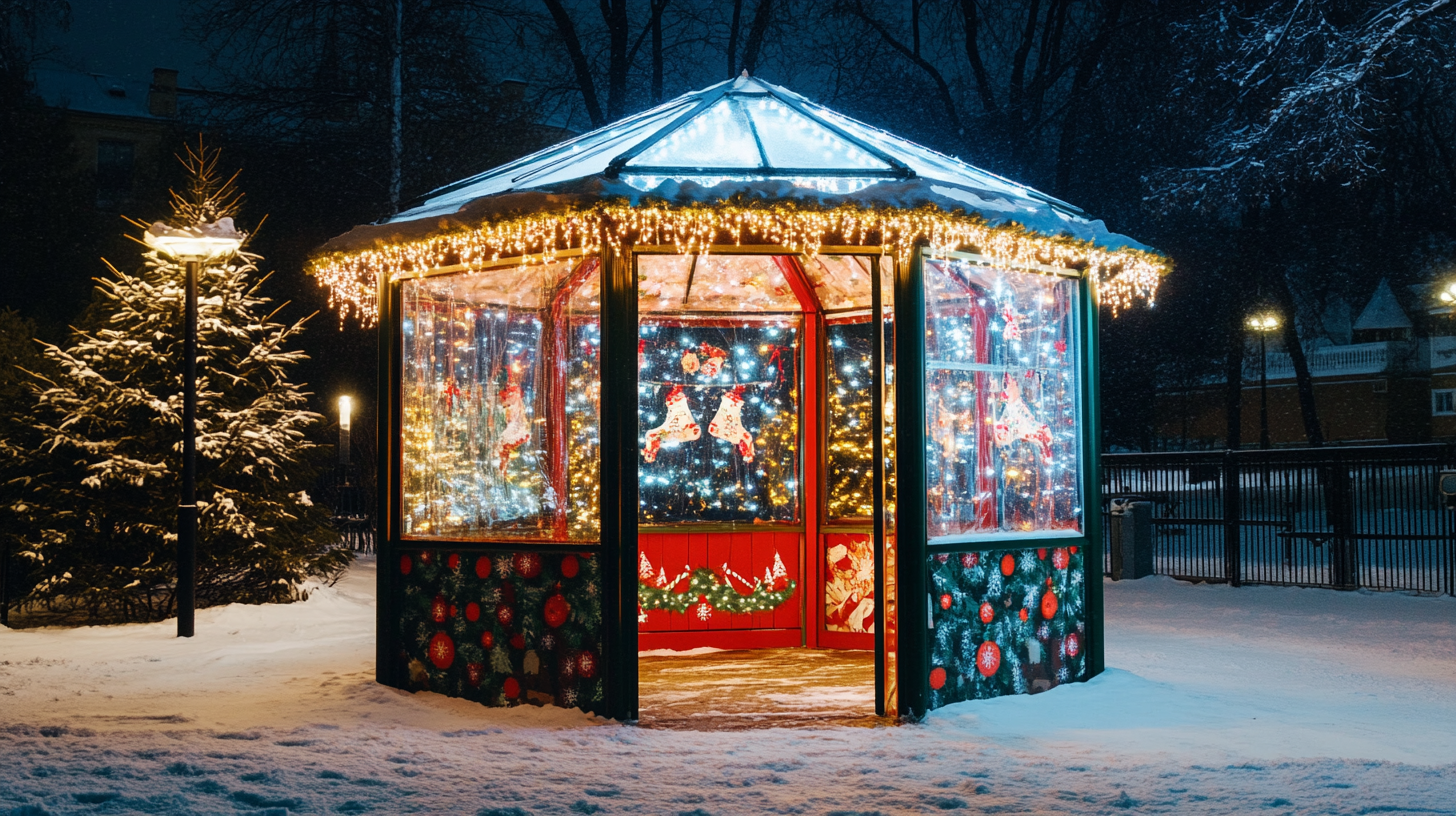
(1330, 361)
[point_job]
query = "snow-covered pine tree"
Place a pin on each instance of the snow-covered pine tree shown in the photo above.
(97, 511)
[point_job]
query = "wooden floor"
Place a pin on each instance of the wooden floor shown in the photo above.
(759, 688)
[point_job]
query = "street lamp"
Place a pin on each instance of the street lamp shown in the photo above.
(346, 407)
(1263, 323)
(1448, 295)
(193, 246)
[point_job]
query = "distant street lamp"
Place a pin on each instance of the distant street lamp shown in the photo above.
(193, 246)
(1263, 323)
(1448, 295)
(346, 407)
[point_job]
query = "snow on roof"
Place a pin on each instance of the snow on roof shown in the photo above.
(747, 135)
(1383, 311)
(93, 93)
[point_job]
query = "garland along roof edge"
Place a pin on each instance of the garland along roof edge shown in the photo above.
(535, 226)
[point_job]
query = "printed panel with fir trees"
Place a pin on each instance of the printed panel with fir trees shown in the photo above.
(502, 628)
(1006, 622)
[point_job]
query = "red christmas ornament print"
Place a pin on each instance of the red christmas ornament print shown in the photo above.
(1008, 565)
(988, 659)
(505, 614)
(512, 688)
(453, 610)
(518, 641)
(528, 565)
(556, 611)
(937, 678)
(969, 560)
(472, 611)
(405, 564)
(1072, 550)
(442, 650)
(1060, 558)
(439, 609)
(570, 567)
(988, 613)
(1049, 605)
(482, 567)
(1023, 614)
(586, 665)
(1041, 553)
(474, 672)
(425, 557)
(453, 562)
(1074, 644)
(942, 557)
(946, 601)
(487, 639)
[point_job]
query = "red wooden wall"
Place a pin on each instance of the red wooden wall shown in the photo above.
(749, 554)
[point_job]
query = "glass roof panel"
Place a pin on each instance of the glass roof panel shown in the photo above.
(793, 140)
(717, 137)
(576, 158)
(712, 283)
(840, 281)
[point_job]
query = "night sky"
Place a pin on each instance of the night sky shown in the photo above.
(127, 38)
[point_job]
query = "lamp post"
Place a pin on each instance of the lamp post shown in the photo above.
(346, 408)
(193, 246)
(1263, 323)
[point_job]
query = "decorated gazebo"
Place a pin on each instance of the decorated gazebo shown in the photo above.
(683, 381)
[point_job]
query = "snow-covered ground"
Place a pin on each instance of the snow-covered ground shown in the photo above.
(1219, 700)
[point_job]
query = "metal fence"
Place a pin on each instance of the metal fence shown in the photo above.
(351, 506)
(1344, 518)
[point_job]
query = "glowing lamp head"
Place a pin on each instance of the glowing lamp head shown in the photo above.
(199, 242)
(1264, 322)
(1448, 295)
(346, 408)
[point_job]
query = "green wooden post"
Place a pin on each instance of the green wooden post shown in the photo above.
(387, 439)
(912, 535)
(1092, 557)
(619, 482)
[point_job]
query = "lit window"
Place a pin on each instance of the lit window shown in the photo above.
(1443, 402)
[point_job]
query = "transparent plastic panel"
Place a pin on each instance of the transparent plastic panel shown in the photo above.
(793, 140)
(841, 281)
(1001, 402)
(712, 283)
(850, 421)
(498, 390)
(717, 137)
(718, 420)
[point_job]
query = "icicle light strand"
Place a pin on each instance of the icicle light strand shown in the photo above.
(1121, 276)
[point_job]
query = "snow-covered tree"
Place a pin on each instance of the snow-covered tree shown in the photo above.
(96, 501)
(1306, 88)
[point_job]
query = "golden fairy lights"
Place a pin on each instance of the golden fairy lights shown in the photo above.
(1121, 276)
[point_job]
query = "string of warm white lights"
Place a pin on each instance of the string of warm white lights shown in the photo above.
(1121, 276)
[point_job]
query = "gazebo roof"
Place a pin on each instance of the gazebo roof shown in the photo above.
(748, 137)
(743, 160)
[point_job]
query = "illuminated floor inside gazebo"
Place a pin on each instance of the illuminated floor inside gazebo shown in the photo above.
(757, 688)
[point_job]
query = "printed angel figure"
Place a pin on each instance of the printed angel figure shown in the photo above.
(517, 429)
(849, 594)
(1017, 422)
